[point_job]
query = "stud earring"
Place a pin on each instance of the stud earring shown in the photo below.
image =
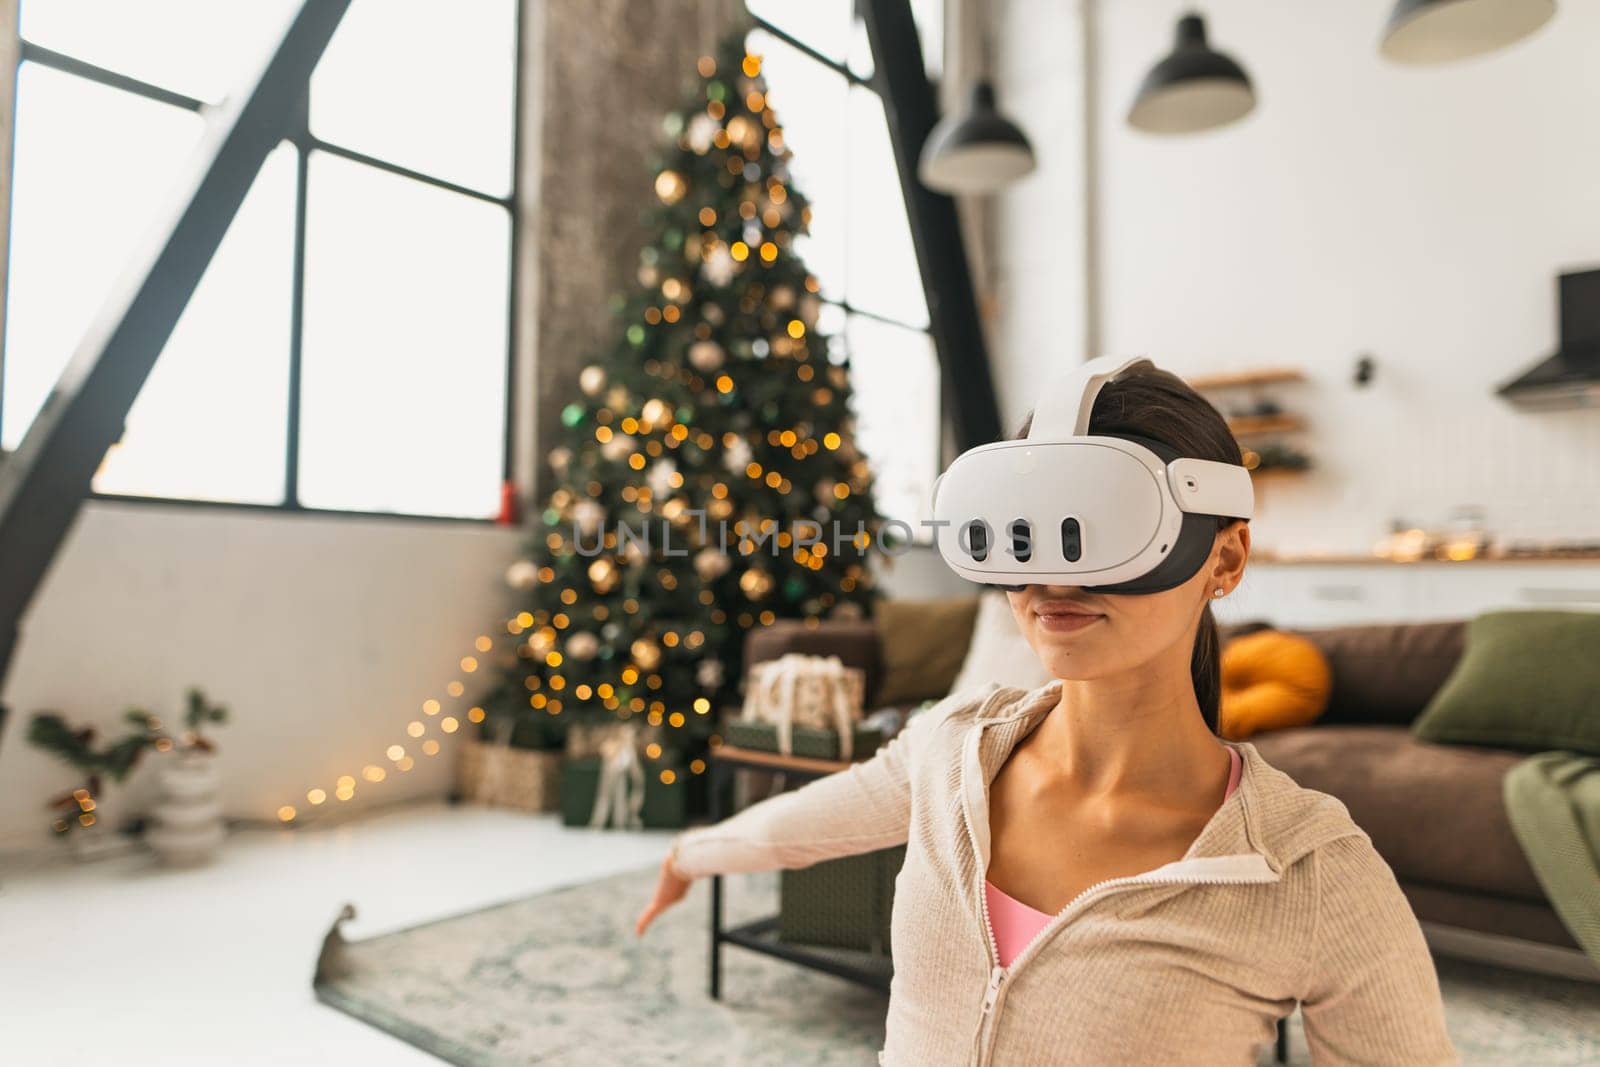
(1217, 591)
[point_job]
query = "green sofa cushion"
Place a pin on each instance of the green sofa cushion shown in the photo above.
(1527, 680)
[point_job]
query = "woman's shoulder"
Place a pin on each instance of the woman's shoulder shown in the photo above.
(1294, 820)
(992, 700)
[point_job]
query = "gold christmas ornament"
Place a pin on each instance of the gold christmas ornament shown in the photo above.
(756, 583)
(603, 575)
(655, 411)
(646, 653)
(670, 186)
(541, 641)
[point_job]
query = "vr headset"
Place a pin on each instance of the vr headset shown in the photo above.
(1109, 514)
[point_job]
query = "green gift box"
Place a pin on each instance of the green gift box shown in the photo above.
(841, 903)
(665, 803)
(812, 742)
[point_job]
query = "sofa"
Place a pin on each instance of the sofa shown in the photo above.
(1433, 811)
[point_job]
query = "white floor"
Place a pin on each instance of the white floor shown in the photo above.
(122, 962)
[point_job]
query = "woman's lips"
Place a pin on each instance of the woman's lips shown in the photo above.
(1064, 621)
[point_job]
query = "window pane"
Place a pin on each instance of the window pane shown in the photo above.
(929, 18)
(809, 99)
(405, 350)
(881, 264)
(820, 24)
(860, 50)
(210, 422)
(199, 48)
(94, 169)
(426, 85)
(895, 380)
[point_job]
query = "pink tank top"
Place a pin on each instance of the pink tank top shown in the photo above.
(1015, 924)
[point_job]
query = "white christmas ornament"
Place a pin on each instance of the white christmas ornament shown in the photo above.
(522, 575)
(737, 456)
(588, 515)
(709, 674)
(659, 477)
(702, 129)
(719, 266)
(711, 564)
(583, 645)
(706, 356)
(618, 448)
(591, 380)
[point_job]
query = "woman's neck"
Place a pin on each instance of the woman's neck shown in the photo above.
(1138, 735)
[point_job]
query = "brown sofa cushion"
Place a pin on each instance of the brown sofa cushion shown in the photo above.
(924, 643)
(1387, 673)
(1434, 812)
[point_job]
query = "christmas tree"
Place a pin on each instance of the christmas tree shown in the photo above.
(708, 481)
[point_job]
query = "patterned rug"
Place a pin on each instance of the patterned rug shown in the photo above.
(560, 978)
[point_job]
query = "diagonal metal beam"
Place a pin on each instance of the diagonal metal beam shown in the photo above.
(911, 111)
(44, 483)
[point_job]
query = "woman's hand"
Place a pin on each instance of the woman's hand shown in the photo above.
(670, 888)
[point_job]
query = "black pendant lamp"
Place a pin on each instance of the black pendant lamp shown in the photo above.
(1194, 88)
(977, 149)
(1439, 31)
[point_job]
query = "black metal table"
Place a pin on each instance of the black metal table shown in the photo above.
(761, 935)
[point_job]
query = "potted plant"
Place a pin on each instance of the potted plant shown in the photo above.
(77, 814)
(188, 821)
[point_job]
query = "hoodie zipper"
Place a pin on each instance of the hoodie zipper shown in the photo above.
(994, 992)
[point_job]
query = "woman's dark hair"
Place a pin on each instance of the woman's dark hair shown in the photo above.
(1155, 403)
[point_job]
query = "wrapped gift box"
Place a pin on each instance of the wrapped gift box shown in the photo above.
(665, 804)
(841, 903)
(510, 777)
(808, 741)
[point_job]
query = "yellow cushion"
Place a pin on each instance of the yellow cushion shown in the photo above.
(1271, 680)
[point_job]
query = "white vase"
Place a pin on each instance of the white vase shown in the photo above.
(188, 826)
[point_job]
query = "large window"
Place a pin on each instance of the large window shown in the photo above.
(348, 349)
(819, 73)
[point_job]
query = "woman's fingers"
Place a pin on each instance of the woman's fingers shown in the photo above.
(669, 890)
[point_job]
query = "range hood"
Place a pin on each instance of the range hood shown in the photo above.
(1571, 377)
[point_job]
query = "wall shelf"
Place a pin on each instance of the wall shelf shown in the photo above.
(1245, 425)
(1243, 379)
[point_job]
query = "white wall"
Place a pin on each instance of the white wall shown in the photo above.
(1419, 215)
(323, 635)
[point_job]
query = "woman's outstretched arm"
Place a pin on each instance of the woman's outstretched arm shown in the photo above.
(1372, 992)
(862, 808)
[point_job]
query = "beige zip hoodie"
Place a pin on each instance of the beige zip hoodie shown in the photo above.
(1280, 899)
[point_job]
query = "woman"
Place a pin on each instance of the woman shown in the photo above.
(1092, 874)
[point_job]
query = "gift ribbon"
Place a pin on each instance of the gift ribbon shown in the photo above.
(781, 678)
(620, 793)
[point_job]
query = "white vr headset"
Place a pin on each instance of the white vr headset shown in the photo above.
(1110, 514)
